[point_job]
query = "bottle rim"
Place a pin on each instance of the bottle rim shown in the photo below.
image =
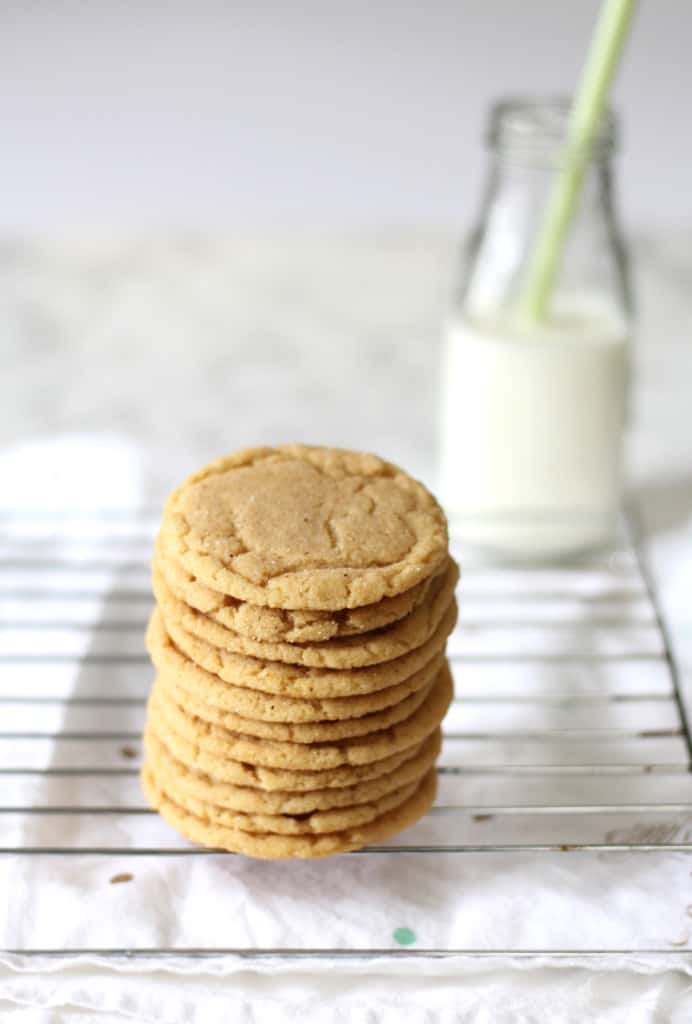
(535, 129)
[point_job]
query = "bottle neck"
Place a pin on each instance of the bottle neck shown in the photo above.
(518, 186)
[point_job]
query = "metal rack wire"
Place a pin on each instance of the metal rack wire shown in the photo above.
(568, 732)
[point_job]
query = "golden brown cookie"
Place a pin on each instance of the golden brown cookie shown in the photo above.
(222, 743)
(281, 625)
(239, 773)
(344, 652)
(294, 732)
(172, 772)
(274, 847)
(334, 820)
(305, 527)
(293, 680)
(175, 666)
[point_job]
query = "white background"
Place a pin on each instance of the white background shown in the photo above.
(306, 114)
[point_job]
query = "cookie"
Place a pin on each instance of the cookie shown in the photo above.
(344, 652)
(305, 528)
(176, 667)
(294, 680)
(281, 625)
(294, 732)
(239, 773)
(172, 772)
(222, 743)
(334, 820)
(275, 847)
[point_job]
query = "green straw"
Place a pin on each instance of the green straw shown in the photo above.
(604, 53)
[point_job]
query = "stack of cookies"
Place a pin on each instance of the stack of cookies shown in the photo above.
(304, 599)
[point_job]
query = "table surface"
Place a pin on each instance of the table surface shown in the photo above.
(193, 345)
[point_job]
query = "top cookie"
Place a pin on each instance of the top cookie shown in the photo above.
(300, 527)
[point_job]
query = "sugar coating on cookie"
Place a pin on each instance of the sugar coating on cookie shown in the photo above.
(293, 732)
(168, 768)
(300, 527)
(283, 823)
(282, 679)
(223, 743)
(263, 694)
(381, 645)
(278, 847)
(294, 626)
(240, 773)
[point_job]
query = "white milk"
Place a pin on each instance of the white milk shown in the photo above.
(531, 432)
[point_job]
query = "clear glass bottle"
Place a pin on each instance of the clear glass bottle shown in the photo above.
(532, 419)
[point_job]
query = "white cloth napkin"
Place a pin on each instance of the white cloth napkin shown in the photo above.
(626, 901)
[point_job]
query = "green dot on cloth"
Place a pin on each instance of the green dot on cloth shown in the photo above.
(404, 936)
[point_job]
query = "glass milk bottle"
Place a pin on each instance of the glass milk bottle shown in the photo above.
(533, 415)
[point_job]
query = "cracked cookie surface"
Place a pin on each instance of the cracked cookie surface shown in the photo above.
(255, 691)
(299, 527)
(278, 847)
(294, 732)
(343, 652)
(286, 680)
(283, 823)
(222, 743)
(245, 798)
(240, 773)
(282, 625)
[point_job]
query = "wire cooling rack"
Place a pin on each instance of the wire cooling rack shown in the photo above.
(567, 733)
